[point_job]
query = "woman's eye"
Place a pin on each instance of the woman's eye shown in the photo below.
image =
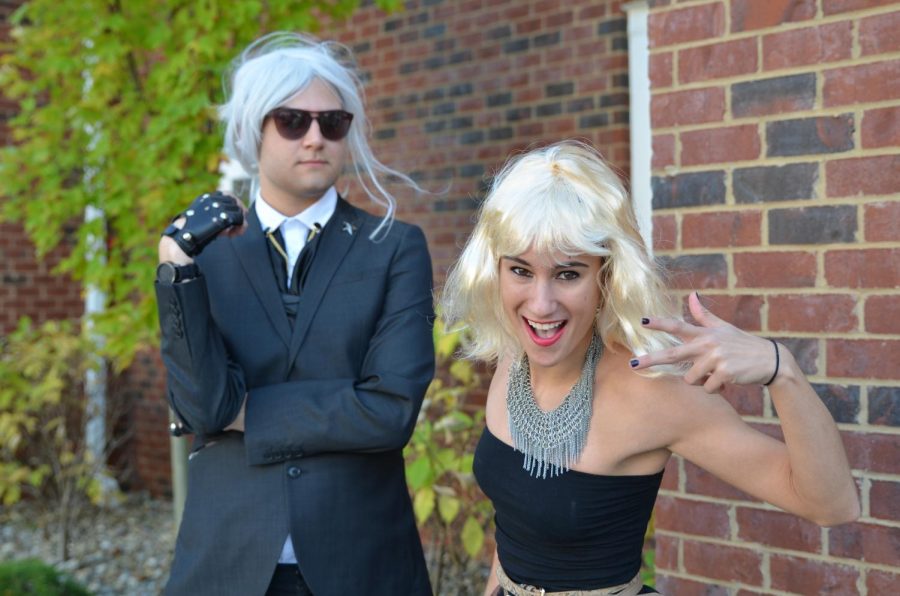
(568, 275)
(520, 271)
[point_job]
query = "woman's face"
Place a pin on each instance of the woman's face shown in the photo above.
(551, 301)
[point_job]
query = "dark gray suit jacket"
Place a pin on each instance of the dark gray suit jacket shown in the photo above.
(329, 411)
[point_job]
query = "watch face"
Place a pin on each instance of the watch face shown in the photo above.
(166, 273)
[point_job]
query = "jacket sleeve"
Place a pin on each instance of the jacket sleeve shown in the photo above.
(374, 412)
(205, 387)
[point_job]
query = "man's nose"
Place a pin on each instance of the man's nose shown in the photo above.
(313, 136)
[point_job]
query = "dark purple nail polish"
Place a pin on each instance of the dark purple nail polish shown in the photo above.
(645, 321)
(633, 362)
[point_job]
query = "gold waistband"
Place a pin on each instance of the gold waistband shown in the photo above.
(628, 589)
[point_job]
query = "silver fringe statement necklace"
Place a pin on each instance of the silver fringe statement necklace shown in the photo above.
(551, 441)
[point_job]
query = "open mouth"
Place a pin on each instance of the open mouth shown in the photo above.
(546, 333)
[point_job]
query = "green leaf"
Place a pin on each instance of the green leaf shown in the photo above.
(419, 473)
(423, 505)
(472, 536)
(465, 463)
(446, 459)
(462, 371)
(445, 344)
(648, 569)
(448, 508)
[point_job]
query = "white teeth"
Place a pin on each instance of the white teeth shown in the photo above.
(544, 326)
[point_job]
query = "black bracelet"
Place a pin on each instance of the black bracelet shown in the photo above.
(777, 362)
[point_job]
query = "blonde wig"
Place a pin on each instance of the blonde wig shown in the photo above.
(562, 198)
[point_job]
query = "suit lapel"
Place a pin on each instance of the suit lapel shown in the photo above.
(337, 237)
(253, 255)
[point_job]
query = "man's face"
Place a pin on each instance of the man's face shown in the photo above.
(294, 174)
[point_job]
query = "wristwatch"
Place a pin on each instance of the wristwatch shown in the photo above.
(169, 273)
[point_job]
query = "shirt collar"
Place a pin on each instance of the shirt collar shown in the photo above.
(317, 213)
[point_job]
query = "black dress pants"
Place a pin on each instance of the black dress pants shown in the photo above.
(287, 581)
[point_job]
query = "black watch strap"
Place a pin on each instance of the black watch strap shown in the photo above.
(170, 273)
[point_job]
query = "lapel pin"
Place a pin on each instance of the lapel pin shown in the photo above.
(349, 228)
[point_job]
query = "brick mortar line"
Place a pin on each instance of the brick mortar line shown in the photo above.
(843, 426)
(816, 68)
(769, 248)
(877, 521)
(867, 428)
(864, 398)
(767, 292)
(738, 585)
(730, 271)
(710, 500)
(808, 114)
(848, 335)
(776, 205)
(763, 506)
(881, 476)
(854, 17)
(766, 570)
(855, 563)
(855, 43)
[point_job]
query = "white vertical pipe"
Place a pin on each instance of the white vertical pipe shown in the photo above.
(639, 117)
(95, 377)
(95, 303)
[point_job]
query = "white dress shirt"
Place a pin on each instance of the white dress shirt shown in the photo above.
(295, 231)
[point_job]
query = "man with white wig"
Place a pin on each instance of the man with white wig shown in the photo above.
(297, 340)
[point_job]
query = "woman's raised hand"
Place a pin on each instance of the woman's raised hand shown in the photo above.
(715, 352)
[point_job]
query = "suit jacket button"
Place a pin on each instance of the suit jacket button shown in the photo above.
(294, 472)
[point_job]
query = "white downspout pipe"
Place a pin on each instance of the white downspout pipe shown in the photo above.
(639, 117)
(95, 303)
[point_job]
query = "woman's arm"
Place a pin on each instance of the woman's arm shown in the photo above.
(493, 584)
(808, 474)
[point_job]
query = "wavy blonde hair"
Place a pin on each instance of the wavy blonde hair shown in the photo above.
(560, 198)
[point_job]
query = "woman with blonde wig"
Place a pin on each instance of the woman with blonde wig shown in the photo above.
(599, 381)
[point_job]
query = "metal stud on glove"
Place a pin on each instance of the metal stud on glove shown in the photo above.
(210, 214)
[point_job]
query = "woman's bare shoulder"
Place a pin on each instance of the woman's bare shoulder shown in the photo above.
(615, 368)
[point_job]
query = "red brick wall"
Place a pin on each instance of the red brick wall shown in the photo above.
(456, 86)
(776, 170)
(143, 462)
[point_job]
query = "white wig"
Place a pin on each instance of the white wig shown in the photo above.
(562, 198)
(272, 70)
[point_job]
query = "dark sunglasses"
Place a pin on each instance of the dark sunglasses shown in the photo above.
(292, 124)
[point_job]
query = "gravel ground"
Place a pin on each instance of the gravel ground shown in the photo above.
(116, 550)
(126, 549)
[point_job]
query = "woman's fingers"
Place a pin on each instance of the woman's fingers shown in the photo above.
(683, 353)
(682, 329)
(701, 314)
(675, 327)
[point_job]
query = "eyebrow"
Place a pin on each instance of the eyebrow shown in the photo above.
(565, 265)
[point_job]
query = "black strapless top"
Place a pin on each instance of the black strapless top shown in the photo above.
(575, 531)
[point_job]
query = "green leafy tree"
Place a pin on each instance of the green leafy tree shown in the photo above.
(450, 509)
(116, 111)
